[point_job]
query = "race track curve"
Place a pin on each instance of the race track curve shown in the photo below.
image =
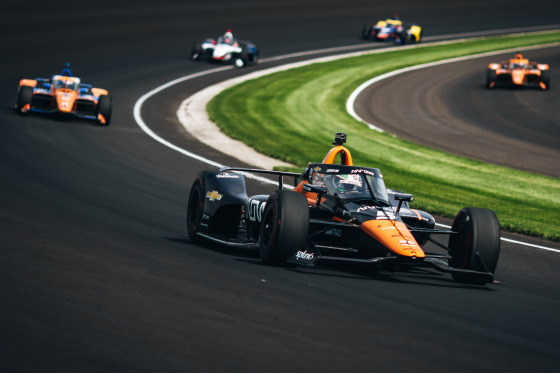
(448, 107)
(96, 271)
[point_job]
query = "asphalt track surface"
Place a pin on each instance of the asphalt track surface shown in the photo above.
(448, 107)
(96, 271)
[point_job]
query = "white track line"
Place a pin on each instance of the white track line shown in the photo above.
(138, 105)
(514, 241)
(354, 95)
(138, 117)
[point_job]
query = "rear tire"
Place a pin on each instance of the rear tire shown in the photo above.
(25, 95)
(105, 107)
(476, 246)
(284, 227)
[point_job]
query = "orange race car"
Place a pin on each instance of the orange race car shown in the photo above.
(518, 71)
(338, 213)
(64, 94)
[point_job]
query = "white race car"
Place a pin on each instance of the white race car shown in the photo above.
(226, 49)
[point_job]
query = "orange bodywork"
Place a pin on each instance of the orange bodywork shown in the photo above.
(395, 236)
(28, 82)
(345, 156)
(64, 94)
(519, 70)
(66, 97)
(99, 91)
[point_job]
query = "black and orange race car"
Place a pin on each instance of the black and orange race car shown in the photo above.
(64, 94)
(338, 213)
(518, 71)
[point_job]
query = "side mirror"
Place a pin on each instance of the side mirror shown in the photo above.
(314, 188)
(402, 197)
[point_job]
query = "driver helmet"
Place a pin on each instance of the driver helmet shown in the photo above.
(348, 182)
(228, 36)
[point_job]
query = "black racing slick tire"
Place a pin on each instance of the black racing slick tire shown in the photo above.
(244, 58)
(284, 227)
(105, 108)
(195, 208)
(25, 95)
(545, 78)
(366, 30)
(404, 36)
(196, 51)
(490, 78)
(476, 244)
(253, 58)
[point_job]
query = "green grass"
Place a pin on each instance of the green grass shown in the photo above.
(293, 116)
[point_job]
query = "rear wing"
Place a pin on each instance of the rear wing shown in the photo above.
(280, 174)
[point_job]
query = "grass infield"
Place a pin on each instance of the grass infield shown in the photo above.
(293, 116)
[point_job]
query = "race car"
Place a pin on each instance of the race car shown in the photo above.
(226, 49)
(517, 72)
(338, 213)
(64, 94)
(393, 30)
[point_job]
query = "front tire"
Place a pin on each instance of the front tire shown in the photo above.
(25, 95)
(366, 32)
(476, 246)
(545, 78)
(195, 208)
(105, 107)
(490, 78)
(284, 227)
(196, 51)
(405, 38)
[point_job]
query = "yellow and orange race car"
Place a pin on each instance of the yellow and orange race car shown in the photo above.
(64, 94)
(338, 212)
(393, 30)
(518, 71)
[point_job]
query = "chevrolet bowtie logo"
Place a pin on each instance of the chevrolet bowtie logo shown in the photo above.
(213, 195)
